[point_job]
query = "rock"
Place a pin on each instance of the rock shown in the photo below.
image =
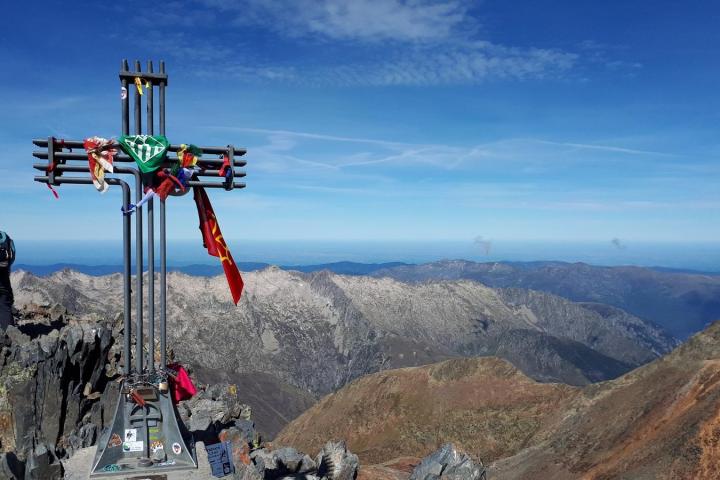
(247, 427)
(239, 443)
(308, 465)
(11, 468)
(48, 367)
(213, 409)
(447, 463)
(288, 459)
(336, 463)
(246, 472)
(266, 463)
(42, 464)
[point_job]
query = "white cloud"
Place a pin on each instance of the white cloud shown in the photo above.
(457, 63)
(284, 152)
(367, 20)
(388, 43)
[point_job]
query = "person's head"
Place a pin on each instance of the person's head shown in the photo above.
(7, 250)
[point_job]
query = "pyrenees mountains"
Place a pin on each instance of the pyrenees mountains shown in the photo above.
(318, 331)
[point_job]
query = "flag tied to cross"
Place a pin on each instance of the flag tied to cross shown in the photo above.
(100, 159)
(215, 244)
(148, 151)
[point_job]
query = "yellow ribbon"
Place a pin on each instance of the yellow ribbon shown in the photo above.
(138, 85)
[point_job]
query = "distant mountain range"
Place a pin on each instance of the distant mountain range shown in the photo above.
(207, 270)
(344, 268)
(317, 331)
(681, 302)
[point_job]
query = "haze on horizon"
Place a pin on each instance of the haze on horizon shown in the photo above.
(388, 120)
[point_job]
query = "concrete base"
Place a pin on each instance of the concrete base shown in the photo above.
(141, 434)
(78, 467)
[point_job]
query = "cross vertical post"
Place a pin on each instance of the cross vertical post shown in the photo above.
(145, 418)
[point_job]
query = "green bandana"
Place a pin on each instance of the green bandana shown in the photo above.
(148, 151)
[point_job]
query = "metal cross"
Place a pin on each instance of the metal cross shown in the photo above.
(156, 420)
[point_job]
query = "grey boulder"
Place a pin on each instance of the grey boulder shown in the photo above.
(447, 463)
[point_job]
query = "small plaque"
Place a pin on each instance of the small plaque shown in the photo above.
(219, 458)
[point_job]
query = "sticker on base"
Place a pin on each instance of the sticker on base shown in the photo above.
(131, 434)
(115, 441)
(176, 448)
(133, 446)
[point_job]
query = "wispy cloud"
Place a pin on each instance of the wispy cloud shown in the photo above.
(606, 148)
(446, 64)
(284, 150)
(383, 43)
(369, 20)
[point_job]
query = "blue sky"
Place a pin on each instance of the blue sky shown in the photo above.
(388, 120)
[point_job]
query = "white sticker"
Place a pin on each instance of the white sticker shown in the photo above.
(130, 435)
(123, 93)
(133, 446)
(177, 449)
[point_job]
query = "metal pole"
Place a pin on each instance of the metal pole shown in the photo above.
(138, 117)
(124, 101)
(125, 122)
(162, 100)
(151, 243)
(139, 253)
(149, 104)
(163, 288)
(163, 244)
(151, 284)
(126, 282)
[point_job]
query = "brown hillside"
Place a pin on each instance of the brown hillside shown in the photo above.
(660, 421)
(485, 405)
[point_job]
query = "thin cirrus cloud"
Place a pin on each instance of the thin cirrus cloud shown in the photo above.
(281, 149)
(458, 64)
(368, 20)
(384, 43)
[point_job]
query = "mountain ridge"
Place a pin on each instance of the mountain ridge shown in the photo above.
(659, 421)
(320, 330)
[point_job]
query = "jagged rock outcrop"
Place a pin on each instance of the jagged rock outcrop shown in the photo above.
(53, 371)
(212, 409)
(319, 331)
(447, 463)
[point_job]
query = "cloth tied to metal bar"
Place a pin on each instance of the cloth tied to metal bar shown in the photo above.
(188, 155)
(225, 170)
(56, 145)
(139, 84)
(215, 244)
(101, 153)
(181, 386)
(148, 151)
